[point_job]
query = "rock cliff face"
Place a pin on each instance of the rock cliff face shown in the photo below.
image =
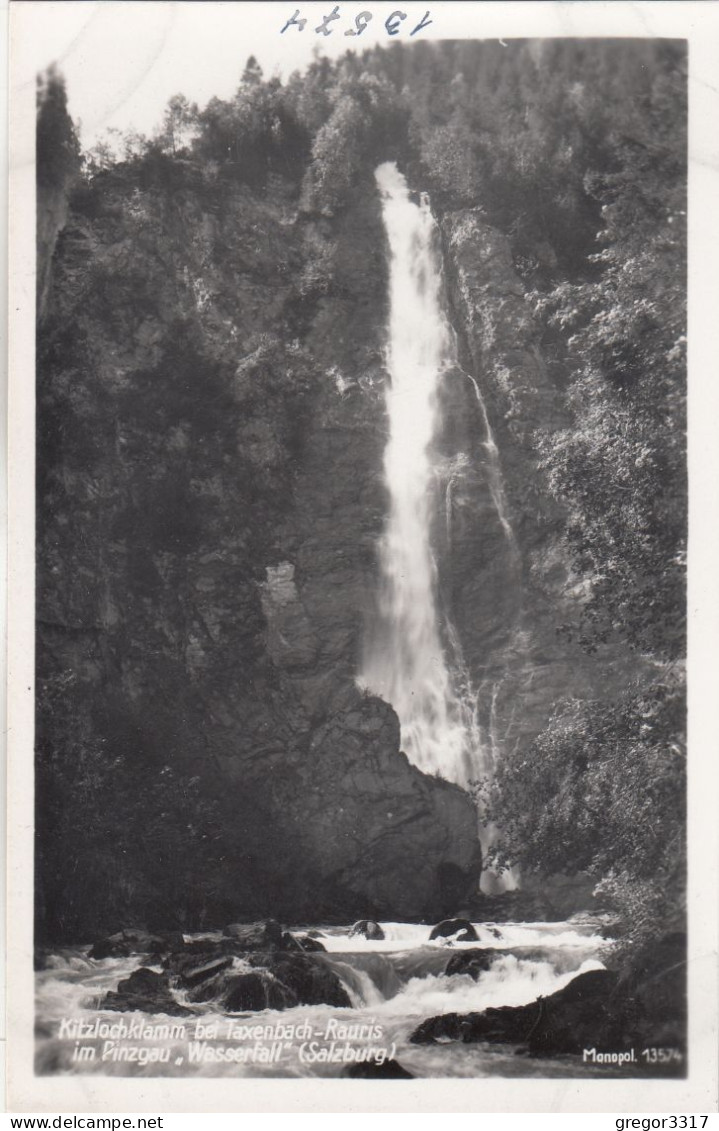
(211, 428)
(507, 581)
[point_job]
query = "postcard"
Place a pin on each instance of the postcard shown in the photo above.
(360, 459)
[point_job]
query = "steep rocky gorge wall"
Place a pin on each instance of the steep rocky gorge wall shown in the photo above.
(507, 590)
(210, 437)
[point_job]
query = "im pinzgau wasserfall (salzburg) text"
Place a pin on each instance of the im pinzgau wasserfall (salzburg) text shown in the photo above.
(224, 1041)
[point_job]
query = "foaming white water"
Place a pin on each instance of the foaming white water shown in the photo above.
(390, 993)
(404, 658)
(361, 989)
(499, 936)
(509, 981)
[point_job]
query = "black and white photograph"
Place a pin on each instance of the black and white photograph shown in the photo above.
(357, 678)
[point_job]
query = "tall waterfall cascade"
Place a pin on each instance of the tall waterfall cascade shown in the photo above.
(412, 655)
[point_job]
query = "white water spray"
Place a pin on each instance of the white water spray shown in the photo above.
(405, 660)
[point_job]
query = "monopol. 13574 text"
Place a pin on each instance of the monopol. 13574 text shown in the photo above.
(360, 23)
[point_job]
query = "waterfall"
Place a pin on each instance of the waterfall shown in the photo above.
(496, 485)
(405, 657)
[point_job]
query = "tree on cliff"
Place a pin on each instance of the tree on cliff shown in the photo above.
(58, 150)
(621, 467)
(57, 168)
(252, 74)
(179, 125)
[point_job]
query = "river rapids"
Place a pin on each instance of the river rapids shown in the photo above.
(393, 984)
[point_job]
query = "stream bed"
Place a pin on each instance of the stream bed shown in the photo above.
(393, 984)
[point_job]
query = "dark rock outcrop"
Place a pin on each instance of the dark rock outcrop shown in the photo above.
(307, 976)
(508, 580)
(203, 952)
(198, 954)
(461, 930)
(278, 981)
(134, 941)
(257, 936)
(246, 992)
(146, 991)
(472, 962)
(289, 942)
(233, 413)
(377, 1070)
(642, 1004)
(409, 826)
(310, 945)
(200, 960)
(564, 1022)
(236, 974)
(367, 928)
(195, 973)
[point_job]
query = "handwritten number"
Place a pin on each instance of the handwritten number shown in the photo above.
(323, 29)
(424, 22)
(393, 21)
(361, 22)
(299, 23)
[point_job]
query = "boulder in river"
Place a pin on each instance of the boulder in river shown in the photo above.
(460, 930)
(200, 959)
(473, 962)
(198, 954)
(134, 941)
(194, 972)
(368, 928)
(263, 935)
(145, 991)
(290, 942)
(256, 990)
(277, 980)
(377, 1070)
(582, 1014)
(311, 945)
(307, 975)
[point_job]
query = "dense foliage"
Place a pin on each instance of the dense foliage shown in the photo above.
(145, 835)
(602, 790)
(58, 149)
(575, 150)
